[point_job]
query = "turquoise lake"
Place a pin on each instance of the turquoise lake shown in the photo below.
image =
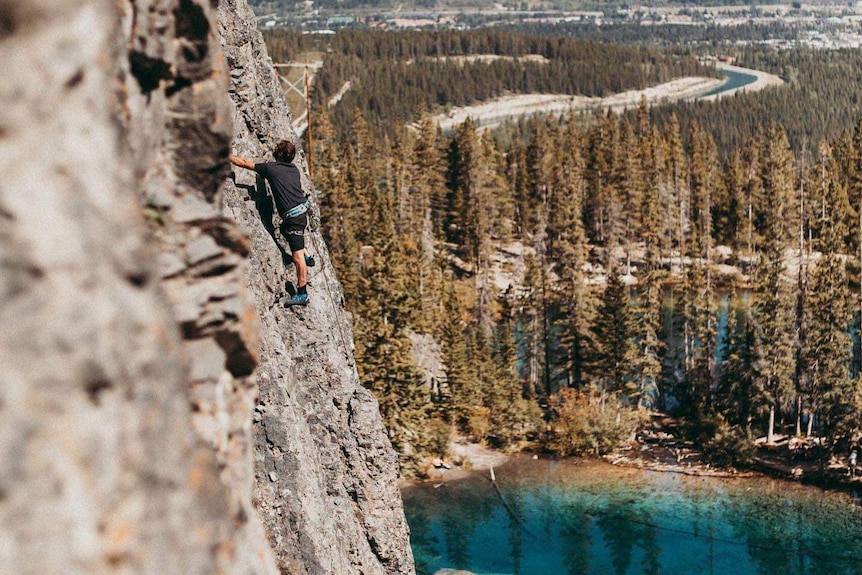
(569, 517)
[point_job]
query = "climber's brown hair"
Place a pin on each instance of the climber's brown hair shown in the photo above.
(284, 151)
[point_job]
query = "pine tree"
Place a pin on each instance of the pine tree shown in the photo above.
(829, 205)
(703, 185)
(512, 417)
(739, 396)
(339, 219)
(752, 191)
(429, 179)
(399, 179)
(828, 341)
(773, 316)
(566, 187)
(652, 216)
(613, 336)
(830, 393)
(854, 168)
(775, 210)
(601, 210)
(462, 177)
(573, 299)
(516, 173)
(539, 165)
(731, 209)
(646, 330)
(855, 197)
(456, 404)
(537, 323)
(677, 191)
(427, 194)
(699, 332)
(325, 152)
(631, 188)
(383, 307)
(774, 311)
(363, 171)
(801, 318)
(478, 207)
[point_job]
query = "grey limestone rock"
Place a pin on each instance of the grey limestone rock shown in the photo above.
(157, 413)
(333, 507)
(100, 468)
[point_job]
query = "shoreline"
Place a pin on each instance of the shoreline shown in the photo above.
(643, 457)
(491, 113)
(465, 459)
(764, 80)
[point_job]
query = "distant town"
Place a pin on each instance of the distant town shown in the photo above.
(830, 25)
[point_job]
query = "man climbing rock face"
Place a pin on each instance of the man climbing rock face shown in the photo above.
(292, 205)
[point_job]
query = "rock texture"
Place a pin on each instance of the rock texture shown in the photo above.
(100, 468)
(157, 415)
(326, 473)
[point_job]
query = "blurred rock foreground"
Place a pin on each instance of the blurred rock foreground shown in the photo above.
(157, 413)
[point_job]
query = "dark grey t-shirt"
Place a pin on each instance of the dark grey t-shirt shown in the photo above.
(285, 183)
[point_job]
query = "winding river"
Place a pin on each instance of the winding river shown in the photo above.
(576, 517)
(735, 80)
(492, 113)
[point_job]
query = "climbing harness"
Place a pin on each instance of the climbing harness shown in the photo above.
(297, 210)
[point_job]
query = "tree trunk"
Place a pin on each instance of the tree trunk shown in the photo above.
(798, 415)
(770, 434)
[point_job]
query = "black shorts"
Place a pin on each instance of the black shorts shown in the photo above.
(293, 230)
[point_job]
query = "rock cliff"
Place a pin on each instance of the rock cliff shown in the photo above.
(326, 473)
(157, 413)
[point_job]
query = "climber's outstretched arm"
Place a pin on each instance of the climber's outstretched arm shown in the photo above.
(241, 162)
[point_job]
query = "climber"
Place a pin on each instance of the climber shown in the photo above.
(292, 205)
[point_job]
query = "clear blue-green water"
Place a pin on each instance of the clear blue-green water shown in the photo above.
(572, 517)
(734, 80)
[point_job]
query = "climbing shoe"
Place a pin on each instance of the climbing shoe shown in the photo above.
(309, 261)
(298, 299)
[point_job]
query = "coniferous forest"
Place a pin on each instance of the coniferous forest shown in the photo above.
(573, 273)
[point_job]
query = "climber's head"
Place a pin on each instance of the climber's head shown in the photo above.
(284, 151)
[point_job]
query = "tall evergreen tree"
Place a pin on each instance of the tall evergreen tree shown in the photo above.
(478, 207)
(652, 224)
(574, 301)
(739, 396)
(700, 333)
(601, 210)
(646, 328)
(429, 179)
(677, 190)
(776, 212)
(774, 310)
(855, 197)
(460, 390)
(613, 335)
(631, 188)
(830, 392)
(384, 307)
(703, 180)
(773, 316)
(730, 213)
(752, 191)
